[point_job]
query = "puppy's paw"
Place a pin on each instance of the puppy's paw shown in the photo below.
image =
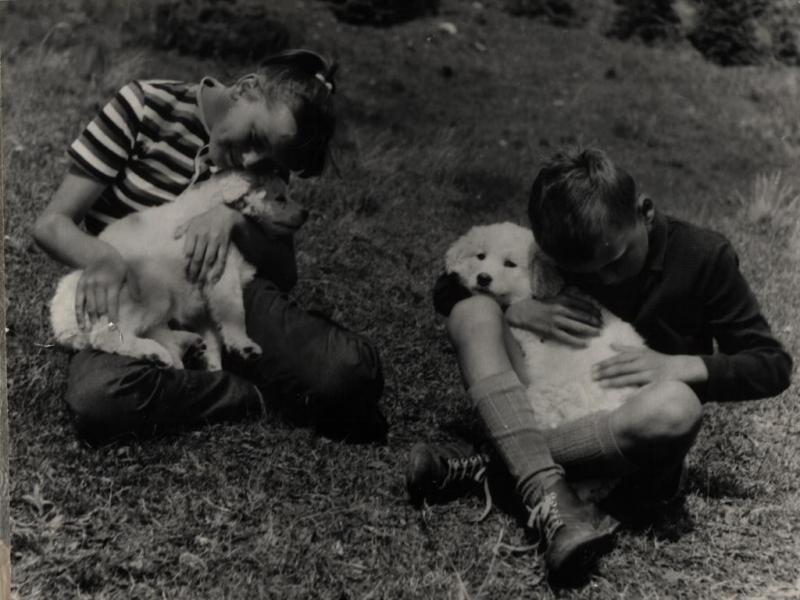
(248, 350)
(195, 353)
(154, 352)
(160, 359)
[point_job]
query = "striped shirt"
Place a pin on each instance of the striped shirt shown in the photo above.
(145, 144)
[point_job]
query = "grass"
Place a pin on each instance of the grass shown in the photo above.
(439, 132)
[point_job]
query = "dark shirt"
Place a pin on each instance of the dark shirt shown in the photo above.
(690, 294)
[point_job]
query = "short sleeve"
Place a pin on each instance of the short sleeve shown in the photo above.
(105, 145)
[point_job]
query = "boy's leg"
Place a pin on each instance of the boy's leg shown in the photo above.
(113, 396)
(574, 533)
(477, 330)
(333, 374)
(652, 431)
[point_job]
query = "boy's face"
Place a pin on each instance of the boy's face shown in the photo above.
(622, 253)
(251, 131)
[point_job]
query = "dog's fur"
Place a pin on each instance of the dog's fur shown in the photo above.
(560, 386)
(212, 313)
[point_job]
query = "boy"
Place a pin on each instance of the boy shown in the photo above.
(681, 288)
(144, 148)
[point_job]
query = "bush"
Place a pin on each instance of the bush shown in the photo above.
(649, 20)
(558, 12)
(382, 13)
(725, 33)
(243, 32)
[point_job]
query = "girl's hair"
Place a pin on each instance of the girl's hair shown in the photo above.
(304, 81)
(579, 196)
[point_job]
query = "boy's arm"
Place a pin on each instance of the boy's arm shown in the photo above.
(750, 362)
(447, 292)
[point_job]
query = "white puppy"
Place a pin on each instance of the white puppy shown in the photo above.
(215, 311)
(503, 261)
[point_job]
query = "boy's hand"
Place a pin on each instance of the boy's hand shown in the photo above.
(207, 240)
(637, 366)
(99, 288)
(570, 317)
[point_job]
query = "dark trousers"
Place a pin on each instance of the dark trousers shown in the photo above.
(311, 368)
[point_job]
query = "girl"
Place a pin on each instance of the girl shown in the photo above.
(144, 148)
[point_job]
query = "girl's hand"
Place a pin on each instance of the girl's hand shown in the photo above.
(99, 288)
(570, 317)
(208, 238)
(639, 366)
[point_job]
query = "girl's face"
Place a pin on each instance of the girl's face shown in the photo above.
(251, 131)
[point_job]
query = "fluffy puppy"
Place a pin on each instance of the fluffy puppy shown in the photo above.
(503, 261)
(211, 314)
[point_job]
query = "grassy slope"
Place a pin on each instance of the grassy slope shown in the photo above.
(262, 510)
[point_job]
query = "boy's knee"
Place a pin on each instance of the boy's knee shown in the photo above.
(474, 316)
(675, 412)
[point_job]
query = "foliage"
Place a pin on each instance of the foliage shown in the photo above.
(772, 199)
(236, 31)
(725, 32)
(558, 12)
(382, 13)
(649, 20)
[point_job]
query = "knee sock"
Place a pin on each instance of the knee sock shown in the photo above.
(586, 447)
(511, 425)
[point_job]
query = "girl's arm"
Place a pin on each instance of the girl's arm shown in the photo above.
(207, 238)
(56, 231)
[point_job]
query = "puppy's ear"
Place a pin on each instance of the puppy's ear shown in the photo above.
(233, 185)
(457, 252)
(448, 292)
(545, 278)
(239, 204)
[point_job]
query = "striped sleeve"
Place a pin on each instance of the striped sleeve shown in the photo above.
(103, 148)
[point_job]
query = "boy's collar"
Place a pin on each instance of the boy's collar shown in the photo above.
(658, 243)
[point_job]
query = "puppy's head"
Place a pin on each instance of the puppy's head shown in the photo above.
(503, 261)
(265, 198)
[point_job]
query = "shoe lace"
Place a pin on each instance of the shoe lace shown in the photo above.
(470, 468)
(544, 517)
(465, 468)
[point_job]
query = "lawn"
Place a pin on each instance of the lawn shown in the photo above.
(439, 131)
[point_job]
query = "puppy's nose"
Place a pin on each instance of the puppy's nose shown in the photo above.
(484, 279)
(304, 215)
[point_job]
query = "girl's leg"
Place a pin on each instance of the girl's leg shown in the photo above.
(315, 368)
(113, 396)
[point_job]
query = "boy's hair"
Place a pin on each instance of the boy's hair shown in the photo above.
(578, 195)
(304, 81)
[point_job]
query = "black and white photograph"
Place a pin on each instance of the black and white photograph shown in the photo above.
(400, 299)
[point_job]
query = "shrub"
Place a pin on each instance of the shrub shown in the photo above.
(243, 32)
(772, 199)
(649, 20)
(558, 12)
(725, 33)
(382, 13)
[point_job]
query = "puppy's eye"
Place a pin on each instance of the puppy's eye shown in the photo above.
(481, 256)
(510, 264)
(280, 199)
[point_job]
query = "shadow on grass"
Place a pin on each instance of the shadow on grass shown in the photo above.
(720, 484)
(485, 191)
(666, 521)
